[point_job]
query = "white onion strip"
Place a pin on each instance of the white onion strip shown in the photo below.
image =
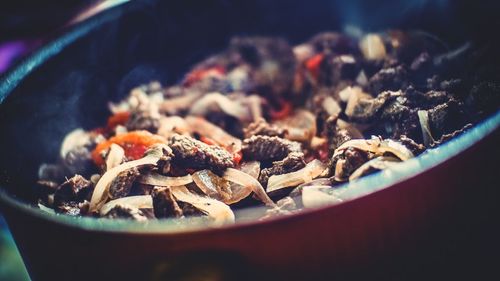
(215, 209)
(160, 180)
(312, 170)
(245, 179)
(139, 201)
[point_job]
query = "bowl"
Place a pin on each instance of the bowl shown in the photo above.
(436, 212)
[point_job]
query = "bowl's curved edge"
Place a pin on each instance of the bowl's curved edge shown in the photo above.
(11, 79)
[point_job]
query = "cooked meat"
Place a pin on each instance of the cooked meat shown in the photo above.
(126, 212)
(191, 153)
(79, 160)
(446, 117)
(75, 189)
(389, 79)
(416, 148)
(265, 148)
(261, 127)
(164, 203)
(121, 185)
(451, 135)
(484, 98)
(261, 116)
(293, 162)
(347, 163)
(366, 109)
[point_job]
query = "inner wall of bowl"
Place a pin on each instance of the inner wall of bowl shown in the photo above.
(160, 40)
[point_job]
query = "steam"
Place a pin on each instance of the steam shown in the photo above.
(357, 15)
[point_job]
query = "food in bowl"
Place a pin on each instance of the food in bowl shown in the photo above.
(265, 123)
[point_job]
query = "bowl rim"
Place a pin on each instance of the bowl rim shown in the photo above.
(350, 192)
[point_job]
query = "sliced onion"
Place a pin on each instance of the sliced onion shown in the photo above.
(331, 106)
(377, 146)
(348, 92)
(254, 103)
(372, 47)
(300, 126)
(240, 192)
(46, 209)
(379, 163)
(100, 194)
(423, 119)
(245, 179)
(139, 201)
(160, 180)
(115, 156)
(176, 104)
(73, 139)
(218, 211)
(209, 130)
(317, 196)
(233, 108)
(173, 125)
(212, 185)
(312, 170)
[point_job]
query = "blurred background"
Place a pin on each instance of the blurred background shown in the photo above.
(27, 25)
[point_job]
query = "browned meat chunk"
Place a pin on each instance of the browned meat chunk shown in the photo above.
(261, 127)
(484, 98)
(164, 203)
(76, 189)
(415, 148)
(191, 153)
(126, 212)
(446, 118)
(121, 185)
(389, 79)
(347, 163)
(265, 148)
(293, 162)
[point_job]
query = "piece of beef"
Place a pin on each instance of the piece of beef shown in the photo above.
(293, 162)
(126, 212)
(143, 120)
(366, 109)
(191, 153)
(335, 135)
(190, 210)
(164, 203)
(265, 148)
(446, 137)
(347, 162)
(484, 99)
(79, 160)
(446, 118)
(73, 208)
(261, 127)
(414, 147)
(121, 185)
(74, 189)
(389, 79)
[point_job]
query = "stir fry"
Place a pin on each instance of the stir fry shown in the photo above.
(265, 123)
